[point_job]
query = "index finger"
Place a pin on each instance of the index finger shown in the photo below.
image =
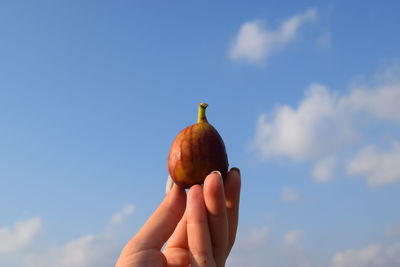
(160, 225)
(199, 241)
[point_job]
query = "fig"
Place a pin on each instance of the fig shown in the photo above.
(197, 151)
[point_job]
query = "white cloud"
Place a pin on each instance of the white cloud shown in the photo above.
(370, 256)
(379, 167)
(90, 250)
(251, 249)
(119, 216)
(254, 42)
(264, 247)
(292, 238)
(327, 125)
(258, 236)
(393, 230)
(381, 101)
(293, 247)
(290, 195)
(323, 169)
(261, 248)
(302, 133)
(98, 250)
(20, 235)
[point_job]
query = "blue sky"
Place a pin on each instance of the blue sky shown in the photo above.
(305, 95)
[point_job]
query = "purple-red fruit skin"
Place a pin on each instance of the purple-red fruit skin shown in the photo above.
(197, 151)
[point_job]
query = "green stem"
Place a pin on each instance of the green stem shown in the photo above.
(202, 113)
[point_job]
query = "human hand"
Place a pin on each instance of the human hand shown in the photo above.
(199, 228)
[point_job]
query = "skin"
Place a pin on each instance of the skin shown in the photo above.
(199, 228)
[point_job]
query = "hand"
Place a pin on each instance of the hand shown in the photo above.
(200, 228)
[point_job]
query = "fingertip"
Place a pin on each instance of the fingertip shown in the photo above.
(216, 173)
(176, 198)
(234, 178)
(235, 169)
(194, 192)
(195, 203)
(213, 182)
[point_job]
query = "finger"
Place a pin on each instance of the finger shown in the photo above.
(176, 251)
(179, 238)
(214, 197)
(232, 197)
(160, 225)
(199, 240)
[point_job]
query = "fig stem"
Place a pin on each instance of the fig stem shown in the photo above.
(202, 112)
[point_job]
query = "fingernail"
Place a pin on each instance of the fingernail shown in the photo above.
(235, 169)
(169, 184)
(216, 172)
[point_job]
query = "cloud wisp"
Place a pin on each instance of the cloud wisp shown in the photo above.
(255, 42)
(290, 195)
(378, 167)
(20, 235)
(293, 237)
(119, 216)
(369, 256)
(323, 169)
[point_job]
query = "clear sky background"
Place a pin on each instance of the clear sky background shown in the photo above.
(306, 95)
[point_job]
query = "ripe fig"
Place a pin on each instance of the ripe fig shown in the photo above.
(197, 151)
